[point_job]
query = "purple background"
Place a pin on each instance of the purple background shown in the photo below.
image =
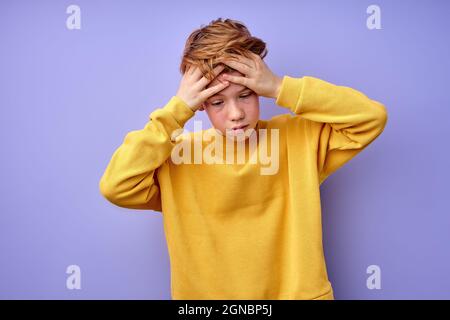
(69, 97)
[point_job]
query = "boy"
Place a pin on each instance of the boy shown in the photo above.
(233, 232)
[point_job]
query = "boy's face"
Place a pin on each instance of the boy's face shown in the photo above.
(234, 106)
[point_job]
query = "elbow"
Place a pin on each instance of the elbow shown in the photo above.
(107, 191)
(145, 199)
(380, 115)
(383, 118)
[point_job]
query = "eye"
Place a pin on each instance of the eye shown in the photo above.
(246, 95)
(216, 104)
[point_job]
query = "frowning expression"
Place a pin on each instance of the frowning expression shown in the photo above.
(234, 107)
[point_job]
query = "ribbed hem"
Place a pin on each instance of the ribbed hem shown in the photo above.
(179, 110)
(289, 94)
(327, 296)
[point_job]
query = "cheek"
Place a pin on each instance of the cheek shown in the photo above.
(252, 108)
(217, 117)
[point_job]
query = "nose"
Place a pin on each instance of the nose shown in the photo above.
(236, 112)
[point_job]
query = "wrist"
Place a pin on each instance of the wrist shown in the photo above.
(277, 87)
(186, 102)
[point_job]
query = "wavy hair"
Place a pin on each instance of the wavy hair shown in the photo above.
(207, 46)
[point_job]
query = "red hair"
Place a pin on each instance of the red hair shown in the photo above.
(208, 45)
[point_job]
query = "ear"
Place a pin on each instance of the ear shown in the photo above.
(202, 107)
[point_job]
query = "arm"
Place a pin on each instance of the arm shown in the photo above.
(129, 180)
(344, 120)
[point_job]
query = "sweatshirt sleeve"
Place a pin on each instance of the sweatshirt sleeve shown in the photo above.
(345, 121)
(129, 180)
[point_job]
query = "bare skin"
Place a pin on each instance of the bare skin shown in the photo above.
(238, 104)
(257, 75)
(192, 87)
(234, 106)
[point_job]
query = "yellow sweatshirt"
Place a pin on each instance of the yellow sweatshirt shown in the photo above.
(232, 232)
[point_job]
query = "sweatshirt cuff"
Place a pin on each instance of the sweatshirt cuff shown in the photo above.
(289, 94)
(179, 110)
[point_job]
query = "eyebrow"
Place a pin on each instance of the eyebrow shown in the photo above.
(221, 95)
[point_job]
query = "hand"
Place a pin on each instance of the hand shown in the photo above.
(192, 87)
(258, 76)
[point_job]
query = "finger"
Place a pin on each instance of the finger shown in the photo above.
(190, 69)
(237, 79)
(204, 81)
(255, 56)
(195, 73)
(218, 69)
(249, 62)
(239, 66)
(214, 89)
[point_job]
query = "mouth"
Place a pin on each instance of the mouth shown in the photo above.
(240, 127)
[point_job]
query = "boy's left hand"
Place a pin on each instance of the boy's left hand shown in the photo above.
(258, 77)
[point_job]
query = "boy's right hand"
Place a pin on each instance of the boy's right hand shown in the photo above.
(192, 87)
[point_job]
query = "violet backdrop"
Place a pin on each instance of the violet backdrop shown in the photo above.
(69, 97)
